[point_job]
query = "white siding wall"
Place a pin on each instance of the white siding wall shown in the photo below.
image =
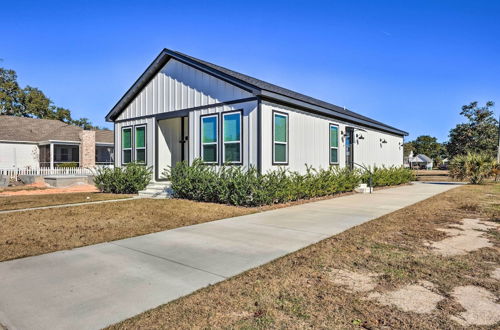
(370, 151)
(249, 127)
(178, 86)
(309, 141)
(18, 155)
(150, 138)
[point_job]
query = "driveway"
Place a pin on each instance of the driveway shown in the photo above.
(95, 286)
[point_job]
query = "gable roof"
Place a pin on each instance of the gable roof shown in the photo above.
(24, 129)
(256, 86)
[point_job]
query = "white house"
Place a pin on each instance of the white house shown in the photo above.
(420, 161)
(183, 108)
(28, 143)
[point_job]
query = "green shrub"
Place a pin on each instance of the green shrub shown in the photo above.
(67, 165)
(123, 180)
(474, 167)
(236, 185)
(388, 176)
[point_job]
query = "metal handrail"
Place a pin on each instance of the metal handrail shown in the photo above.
(370, 180)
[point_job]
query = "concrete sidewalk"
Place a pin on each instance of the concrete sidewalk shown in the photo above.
(98, 285)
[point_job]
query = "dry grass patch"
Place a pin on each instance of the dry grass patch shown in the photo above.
(23, 188)
(35, 232)
(21, 202)
(297, 291)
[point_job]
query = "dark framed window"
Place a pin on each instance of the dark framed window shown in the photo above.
(126, 145)
(140, 144)
(334, 144)
(280, 138)
(209, 139)
(231, 137)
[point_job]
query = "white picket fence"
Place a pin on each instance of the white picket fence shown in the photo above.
(14, 172)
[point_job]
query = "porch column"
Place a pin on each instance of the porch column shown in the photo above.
(51, 156)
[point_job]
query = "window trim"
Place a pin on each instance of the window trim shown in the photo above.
(330, 146)
(223, 143)
(287, 143)
(131, 128)
(145, 143)
(217, 158)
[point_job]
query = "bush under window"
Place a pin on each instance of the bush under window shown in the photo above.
(237, 185)
(128, 179)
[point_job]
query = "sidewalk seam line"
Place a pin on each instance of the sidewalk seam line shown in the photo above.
(167, 259)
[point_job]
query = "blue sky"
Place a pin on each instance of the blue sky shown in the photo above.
(410, 64)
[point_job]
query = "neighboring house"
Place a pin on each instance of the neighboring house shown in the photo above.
(182, 108)
(419, 161)
(34, 143)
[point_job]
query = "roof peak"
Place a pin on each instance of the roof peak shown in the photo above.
(258, 87)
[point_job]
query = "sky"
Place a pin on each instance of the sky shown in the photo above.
(409, 64)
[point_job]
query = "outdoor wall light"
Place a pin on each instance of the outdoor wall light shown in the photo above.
(361, 137)
(383, 140)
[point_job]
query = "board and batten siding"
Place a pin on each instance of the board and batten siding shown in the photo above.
(309, 141)
(179, 86)
(150, 138)
(249, 130)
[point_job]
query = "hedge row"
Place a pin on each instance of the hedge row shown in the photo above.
(236, 185)
(388, 176)
(128, 179)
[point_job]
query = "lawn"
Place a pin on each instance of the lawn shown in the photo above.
(35, 232)
(434, 175)
(21, 202)
(299, 290)
(22, 187)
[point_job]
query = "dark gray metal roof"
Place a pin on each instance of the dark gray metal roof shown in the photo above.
(254, 85)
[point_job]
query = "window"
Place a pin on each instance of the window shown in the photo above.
(64, 157)
(334, 144)
(209, 140)
(280, 138)
(126, 145)
(140, 144)
(231, 131)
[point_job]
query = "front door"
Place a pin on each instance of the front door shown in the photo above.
(172, 146)
(349, 152)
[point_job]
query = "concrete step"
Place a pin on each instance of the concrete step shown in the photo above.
(159, 185)
(364, 189)
(157, 190)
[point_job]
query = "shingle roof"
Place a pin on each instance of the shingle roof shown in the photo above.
(245, 79)
(14, 128)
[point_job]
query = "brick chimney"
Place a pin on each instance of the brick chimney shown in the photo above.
(87, 148)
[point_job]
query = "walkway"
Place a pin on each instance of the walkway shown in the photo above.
(98, 285)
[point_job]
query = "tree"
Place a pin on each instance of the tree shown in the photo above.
(32, 102)
(478, 135)
(10, 93)
(408, 148)
(427, 145)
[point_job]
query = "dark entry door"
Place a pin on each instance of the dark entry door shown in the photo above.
(349, 152)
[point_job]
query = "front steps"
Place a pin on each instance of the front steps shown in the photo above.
(157, 190)
(364, 189)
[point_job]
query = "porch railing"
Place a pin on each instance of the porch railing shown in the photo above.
(14, 172)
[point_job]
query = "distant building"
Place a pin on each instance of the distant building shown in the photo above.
(419, 161)
(34, 143)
